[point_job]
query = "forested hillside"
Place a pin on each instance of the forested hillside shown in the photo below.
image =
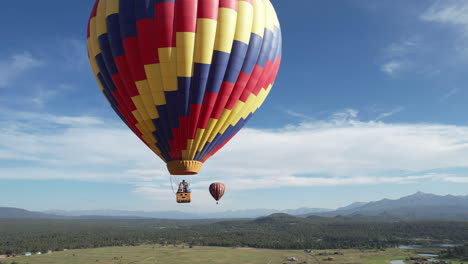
(277, 231)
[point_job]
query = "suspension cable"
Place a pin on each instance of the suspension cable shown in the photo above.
(172, 185)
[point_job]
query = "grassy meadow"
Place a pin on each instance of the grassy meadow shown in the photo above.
(149, 254)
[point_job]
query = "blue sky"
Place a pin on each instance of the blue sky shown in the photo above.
(370, 103)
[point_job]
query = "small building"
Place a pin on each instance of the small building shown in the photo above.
(26, 254)
(38, 253)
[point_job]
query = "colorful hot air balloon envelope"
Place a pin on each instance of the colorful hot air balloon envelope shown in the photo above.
(184, 75)
(217, 190)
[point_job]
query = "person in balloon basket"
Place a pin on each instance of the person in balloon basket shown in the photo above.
(184, 187)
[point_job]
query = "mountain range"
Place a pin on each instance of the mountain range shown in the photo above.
(419, 206)
(248, 213)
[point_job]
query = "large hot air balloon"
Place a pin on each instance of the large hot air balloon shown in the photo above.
(217, 190)
(184, 75)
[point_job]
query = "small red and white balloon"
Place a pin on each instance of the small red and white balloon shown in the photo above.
(217, 190)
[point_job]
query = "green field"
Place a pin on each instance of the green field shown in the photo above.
(184, 255)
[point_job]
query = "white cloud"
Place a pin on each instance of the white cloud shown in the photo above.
(351, 148)
(457, 179)
(23, 61)
(66, 142)
(448, 11)
(345, 115)
(15, 65)
(295, 181)
(340, 151)
(393, 67)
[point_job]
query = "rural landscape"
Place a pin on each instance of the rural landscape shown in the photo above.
(375, 232)
(149, 254)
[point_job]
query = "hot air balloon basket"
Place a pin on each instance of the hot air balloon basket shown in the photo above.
(184, 197)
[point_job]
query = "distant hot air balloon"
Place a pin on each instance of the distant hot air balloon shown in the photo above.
(217, 190)
(184, 75)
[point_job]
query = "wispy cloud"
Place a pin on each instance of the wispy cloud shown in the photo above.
(449, 94)
(347, 115)
(59, 142)
(16, 65)
(404, 47)
(389, 113)
(393, 68)
(430, 50)
(293, 113)
(42, 96)
(397, 56)
(301, 116)
(74, 53)
(453, 13)
(38, 120)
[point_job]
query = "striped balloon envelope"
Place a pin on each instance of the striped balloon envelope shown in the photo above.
(217, 190)
(184, 75)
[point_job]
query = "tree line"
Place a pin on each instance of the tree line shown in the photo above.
(275, 232)
(459, 252)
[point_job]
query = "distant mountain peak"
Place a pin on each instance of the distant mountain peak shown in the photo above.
(419, 193)
(352, 206)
